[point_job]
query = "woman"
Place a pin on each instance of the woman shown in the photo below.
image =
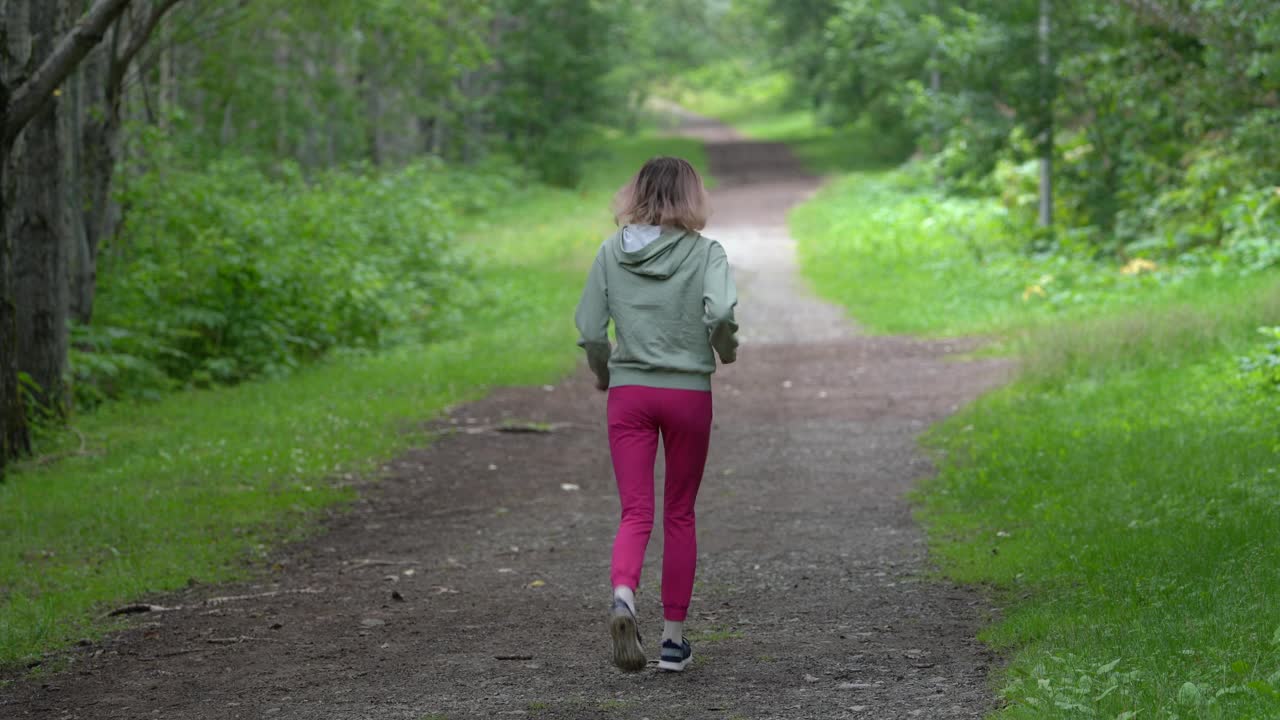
(670, 294)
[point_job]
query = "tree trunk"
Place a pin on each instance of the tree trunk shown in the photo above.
(40, 228)
(15, 436)
(1047, 91)
(100, 214)
(36, 56)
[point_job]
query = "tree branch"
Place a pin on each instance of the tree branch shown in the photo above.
(138, 38)
(29, 97)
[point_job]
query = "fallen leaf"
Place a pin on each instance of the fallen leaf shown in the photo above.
(537, 584)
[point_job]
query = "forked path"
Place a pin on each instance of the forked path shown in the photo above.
(473, 580)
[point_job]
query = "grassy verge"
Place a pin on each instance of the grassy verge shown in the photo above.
(1122, 498)
(905, 258)
(194, 485)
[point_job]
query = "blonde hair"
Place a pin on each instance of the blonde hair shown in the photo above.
(666, 191)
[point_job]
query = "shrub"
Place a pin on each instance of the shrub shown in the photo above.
(226, 274)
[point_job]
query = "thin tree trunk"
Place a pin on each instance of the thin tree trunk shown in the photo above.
(1047, 91)
(282, 93)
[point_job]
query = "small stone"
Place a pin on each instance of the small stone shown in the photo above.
(372, 622)
(810, 679)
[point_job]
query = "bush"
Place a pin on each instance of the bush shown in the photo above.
(1262, 367)
(226, 274)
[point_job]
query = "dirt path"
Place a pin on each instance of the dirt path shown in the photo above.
(473, 580)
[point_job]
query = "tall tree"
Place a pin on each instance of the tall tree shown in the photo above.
(40, 226)
(40, 50)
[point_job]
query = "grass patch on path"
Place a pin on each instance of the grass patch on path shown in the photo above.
(202, 484)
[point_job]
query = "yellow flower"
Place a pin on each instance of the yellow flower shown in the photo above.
(1137, 266)
(1033, 290)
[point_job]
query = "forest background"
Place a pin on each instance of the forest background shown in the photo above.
(244, 239)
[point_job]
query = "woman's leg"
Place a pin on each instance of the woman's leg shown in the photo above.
(633, 443)
(686, 435)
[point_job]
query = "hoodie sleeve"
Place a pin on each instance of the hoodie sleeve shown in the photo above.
(719, 298)
(592, 319)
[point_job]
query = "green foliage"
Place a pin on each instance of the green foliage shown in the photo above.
(555, 54)
(758, 102)
(197, 482)
(1166, 110)
(227, 274)
(332, 83)
(1262, 366)
(908, 258)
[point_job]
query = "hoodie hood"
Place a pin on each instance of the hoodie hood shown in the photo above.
(660, 258)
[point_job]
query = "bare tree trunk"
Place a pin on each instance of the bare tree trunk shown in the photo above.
(370, 83)
(1047, 92)
(282, 93)
(87, 116)
(40, 228)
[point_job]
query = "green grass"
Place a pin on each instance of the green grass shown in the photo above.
(906, 259)
(1121, 499)
(1124, 499)
(201, 485)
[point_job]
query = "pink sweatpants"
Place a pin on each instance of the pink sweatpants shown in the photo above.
(637, 414)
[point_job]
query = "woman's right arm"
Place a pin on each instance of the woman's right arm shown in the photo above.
(719, 298)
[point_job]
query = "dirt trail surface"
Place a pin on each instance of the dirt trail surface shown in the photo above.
(472, 581)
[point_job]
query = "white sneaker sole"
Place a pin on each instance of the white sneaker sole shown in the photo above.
(627, 653)
(670, 666)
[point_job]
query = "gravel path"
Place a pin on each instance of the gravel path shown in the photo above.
(473, 580)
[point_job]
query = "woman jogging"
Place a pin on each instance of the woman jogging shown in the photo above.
(671, 297)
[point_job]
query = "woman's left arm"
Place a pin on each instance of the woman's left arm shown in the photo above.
(592, 319)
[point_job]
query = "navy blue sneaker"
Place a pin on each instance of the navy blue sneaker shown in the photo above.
(675, 658)
(627, 651)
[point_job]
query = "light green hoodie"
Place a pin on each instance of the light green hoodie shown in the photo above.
(671, 302)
